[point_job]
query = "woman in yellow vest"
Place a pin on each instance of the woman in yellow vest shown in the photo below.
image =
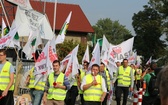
(56, 86)
(6, 80)
(94, 87)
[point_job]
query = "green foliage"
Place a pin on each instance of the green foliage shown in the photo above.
(163, 61)
(147, 25)
(65, 48)
(113, 30)
(161, 6)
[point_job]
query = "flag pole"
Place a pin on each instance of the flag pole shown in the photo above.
(5, 13)
(44, 8)
(55, 10)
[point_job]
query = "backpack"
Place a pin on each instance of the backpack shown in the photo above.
(152, 88)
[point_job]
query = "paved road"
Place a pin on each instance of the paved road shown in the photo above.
(129, 102)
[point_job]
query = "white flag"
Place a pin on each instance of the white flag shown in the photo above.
(104, 51)
(7, 40)
(123, 50)
(22, 3)
(86, 55)
(41, 68)
(31, 20)
(61, 36)
(32, 44)
(41, 64)
(71, 61)
(72, 67)
(22, 21)
(45, 29)
(65, 61)
(105, 45)
(52, 55)
(111, 56)
(149, 61)
(133, 58)
(16, 41)
(95, 56)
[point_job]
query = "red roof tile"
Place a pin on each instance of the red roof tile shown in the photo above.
(78, 22)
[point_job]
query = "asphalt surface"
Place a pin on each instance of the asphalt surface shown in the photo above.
(129, 101)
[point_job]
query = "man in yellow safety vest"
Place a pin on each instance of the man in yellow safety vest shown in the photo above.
(56, 86)
(94, 87)
(125, 79)
(6, 80)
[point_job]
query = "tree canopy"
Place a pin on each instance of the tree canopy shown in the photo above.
(148, 28)
(65, 48)
(113, 30)
(161, 6)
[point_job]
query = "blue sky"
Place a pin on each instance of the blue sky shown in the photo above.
(121, 10)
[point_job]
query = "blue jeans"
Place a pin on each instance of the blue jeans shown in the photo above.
(36, 96)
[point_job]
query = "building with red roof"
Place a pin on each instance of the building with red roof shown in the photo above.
(79, 26)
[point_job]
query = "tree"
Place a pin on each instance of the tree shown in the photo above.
(164, 59)
(113, 30)
(68, 45)
(161, 6)
(147, 26)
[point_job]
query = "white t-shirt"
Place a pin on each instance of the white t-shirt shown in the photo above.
(104, 89)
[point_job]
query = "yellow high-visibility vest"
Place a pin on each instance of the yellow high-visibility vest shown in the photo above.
(138, 76)
(124, 76)
(82, 74)
(108, 79)
(134, 73)
(32, 78)
(5, 77)
(40, 84)
(56, 93)
(94, 92)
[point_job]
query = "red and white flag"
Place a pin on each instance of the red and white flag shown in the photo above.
(72, 66)
(41, 66)
(65, 61)
(95, 56)
(52, 55)
(133, 58)
(123, 50)
(111, 55)
(8, 40)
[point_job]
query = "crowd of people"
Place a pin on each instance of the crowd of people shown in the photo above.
(148, 78)
(93, 85)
